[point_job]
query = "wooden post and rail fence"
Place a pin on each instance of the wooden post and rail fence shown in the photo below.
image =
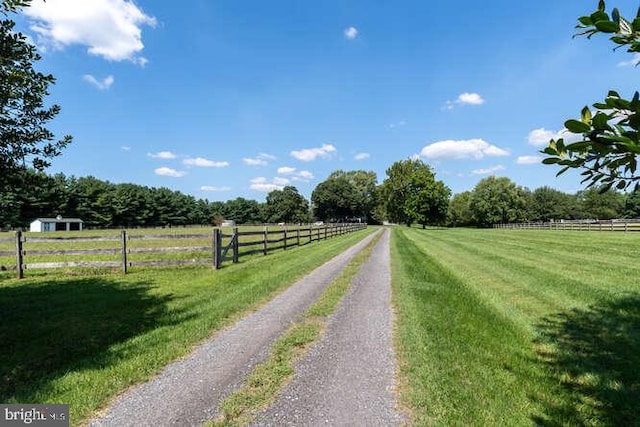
(223, 246)
(626, 225)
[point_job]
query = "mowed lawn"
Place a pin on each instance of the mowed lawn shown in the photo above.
(506, 327)
(81, 339)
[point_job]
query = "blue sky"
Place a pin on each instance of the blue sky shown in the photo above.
(226, 99)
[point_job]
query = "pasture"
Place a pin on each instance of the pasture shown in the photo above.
(82, 338)
(498, 327)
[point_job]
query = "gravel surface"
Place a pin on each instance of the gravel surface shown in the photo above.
(188, 391)
(348, 377)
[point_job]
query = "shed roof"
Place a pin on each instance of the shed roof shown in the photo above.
(58, 220)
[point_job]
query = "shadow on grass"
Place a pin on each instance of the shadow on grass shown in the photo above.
(595, 355)
(49, 329)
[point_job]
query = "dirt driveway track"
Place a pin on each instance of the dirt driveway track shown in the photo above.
(188, 391)
(348, 378)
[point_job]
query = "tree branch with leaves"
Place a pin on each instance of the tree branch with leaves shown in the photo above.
(609, 148)
(24, 139)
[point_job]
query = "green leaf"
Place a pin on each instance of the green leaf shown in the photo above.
(551, 161)
(599, 16)
(575, 126)
(586, 115)
(563, 170)
(601, 5)
(605, 188)
(608, 26)
(600, 121)
(579, 146)
(585, 20)
(615, 14)
(636, 23)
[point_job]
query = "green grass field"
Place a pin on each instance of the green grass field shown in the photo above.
(82, 339)
(518, 327)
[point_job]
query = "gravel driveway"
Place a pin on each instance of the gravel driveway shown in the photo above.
(348, 378)
(188, 391)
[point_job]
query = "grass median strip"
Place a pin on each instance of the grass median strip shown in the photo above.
(267, 379)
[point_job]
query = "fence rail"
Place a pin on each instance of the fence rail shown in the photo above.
(222, 246)
(626, 225)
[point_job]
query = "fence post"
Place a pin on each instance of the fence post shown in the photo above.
(310, 233)
(235, 246)
(325, 232)
(285, 237)
(298, 234)
(216, 248)
(19, 259)
(124, 251)
(265, 240)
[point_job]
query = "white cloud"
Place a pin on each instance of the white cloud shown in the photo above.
(397, 124)
(362, 156)
(165, 155)
(255, 161)
(529, 160)
(472, 148)
(286, 170)
(204, 163)
(634, 61)
(465, 98)
(310, 154)
(100, 84)
(214, 189)
(164, 171)
(262, 184)
(488, 171)
(111, 29)
(470, 98)
(303, 176)
(262, 159)
(541, 137)
(281, 181)
(125, 148)
(351, 33)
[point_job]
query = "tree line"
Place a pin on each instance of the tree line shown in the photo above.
(409, 194)
(500, 200)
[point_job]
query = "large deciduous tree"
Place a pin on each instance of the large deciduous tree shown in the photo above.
(24, 139)
(363, 195)
(411, 194)
(596, 204)
(609, 148)
(334, 199)
(459, 211)
(550, 204)
(286, 205)
(498, 200)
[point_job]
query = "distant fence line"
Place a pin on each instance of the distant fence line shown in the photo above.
(577, 225)
(223, 246)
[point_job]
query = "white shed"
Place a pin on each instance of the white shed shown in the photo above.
(56, 224)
